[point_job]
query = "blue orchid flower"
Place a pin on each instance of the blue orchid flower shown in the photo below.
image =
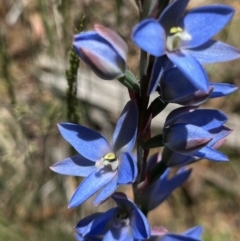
(176, 88)
(124, 222)
(104, 166)
(161, 189)
(195, 132)
(103, 50)
(186, 40)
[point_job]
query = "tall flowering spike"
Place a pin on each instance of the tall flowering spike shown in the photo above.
(186, 39)
(124, 222)
(103, 50)
(195, 133)
(105, 166)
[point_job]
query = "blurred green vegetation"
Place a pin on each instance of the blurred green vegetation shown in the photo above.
(33, 200)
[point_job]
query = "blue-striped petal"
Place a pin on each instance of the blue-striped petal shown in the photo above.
(90, 144)
(90, 185)
(214, 51)
(204, 22)
(74, 166)
(127, 170)
(188, 65)
(150, 36)
(125, 132)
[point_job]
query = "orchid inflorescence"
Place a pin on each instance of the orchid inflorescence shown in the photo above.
(178, 42)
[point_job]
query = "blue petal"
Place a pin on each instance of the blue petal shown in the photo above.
(125, 132)
(114, 39)
(83, 225)
(107, 69)
(186, 138)
(204, 22)
(127, 170)
(150, 36)
(194, 232)
(74, 166)
(174, 159)
(211, 154)
(140, 225)
(172, 14)
(219, 134)
(88, 143)
(90, 185)
(119, 234)
(163, 187)
(214, 51)
(106, 191)
(206, 118)
(188, 65)
(99, 54)
(99, 225)
(222, 89)
(176, 113)
(157, 71)
(176, 88)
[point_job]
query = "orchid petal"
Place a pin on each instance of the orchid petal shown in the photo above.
(99, 225)
(90, 144)
(204, 22)
(127, 170)
(172, 14)
(99, 54)
(119, 234)
(163, 187)
(176, 88)
(174, 159)
(114, 39)
(104, 68)
(158, 68)
(140, 225)
(222, 89)
(150, 36)
(75, 166)
(125, 132)
(106, 191)
(83, 225)
(188, 65)
(176, 113)
(211, 154)
(219, 133)
(186, 138)
(90, 185)
(214, 51)
(206, 118)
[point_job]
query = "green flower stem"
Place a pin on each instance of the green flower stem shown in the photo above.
(129, 81)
